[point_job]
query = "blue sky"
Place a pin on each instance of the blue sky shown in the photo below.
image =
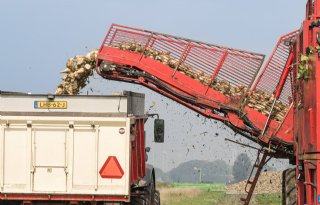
(38, 36)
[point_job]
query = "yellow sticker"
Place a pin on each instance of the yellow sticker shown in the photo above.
(50, 105)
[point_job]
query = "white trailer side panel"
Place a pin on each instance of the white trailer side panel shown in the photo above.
(51, 157)
(14, 143)
(82, 148)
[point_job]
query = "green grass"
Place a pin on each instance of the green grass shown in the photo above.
(215, 198)
(269, 199)
(203, 187)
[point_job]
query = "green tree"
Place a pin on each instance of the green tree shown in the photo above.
(217, 171)
(241, 167)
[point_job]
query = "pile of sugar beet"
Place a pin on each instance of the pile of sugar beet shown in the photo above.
(269, 182)
(81, 67)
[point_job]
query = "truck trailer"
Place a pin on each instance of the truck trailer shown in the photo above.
(75, 150)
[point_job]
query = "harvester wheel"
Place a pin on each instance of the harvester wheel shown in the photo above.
(289, 187)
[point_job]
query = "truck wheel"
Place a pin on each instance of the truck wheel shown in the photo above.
(151, 193)
(289, 187)
(149, 198)
(157, 198)
(10, 202)
(137, 201)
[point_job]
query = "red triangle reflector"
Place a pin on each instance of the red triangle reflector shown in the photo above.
(111, 169)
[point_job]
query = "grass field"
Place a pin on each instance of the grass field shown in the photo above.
(208, 194)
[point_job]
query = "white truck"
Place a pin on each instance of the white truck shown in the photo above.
(75, 150)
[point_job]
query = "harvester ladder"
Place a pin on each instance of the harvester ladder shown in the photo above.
(258, 166)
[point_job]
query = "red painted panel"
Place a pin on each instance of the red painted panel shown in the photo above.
(138, 164)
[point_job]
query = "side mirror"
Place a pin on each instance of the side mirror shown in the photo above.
(159, 130)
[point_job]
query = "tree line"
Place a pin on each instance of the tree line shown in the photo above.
(218, 171)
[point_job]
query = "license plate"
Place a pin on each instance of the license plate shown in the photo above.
(50, 105)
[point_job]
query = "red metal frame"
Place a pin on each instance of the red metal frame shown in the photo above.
(60, 197)
(138, 158)
(201, 56)
(307, 112)
(216, 61)
(271, 74)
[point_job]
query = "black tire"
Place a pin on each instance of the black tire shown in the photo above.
(151, 193)
(157, 198)
(289, 187)
(138, 201)
(10, 202)
(147, 199)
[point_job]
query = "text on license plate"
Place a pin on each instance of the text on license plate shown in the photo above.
(50, 105)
